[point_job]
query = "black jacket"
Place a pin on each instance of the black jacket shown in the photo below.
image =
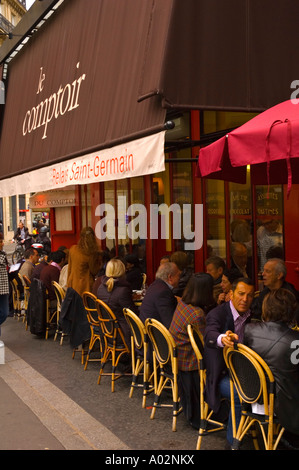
(159, 303)
(256, 307)
(119, 298)
(73, 318)
(37, 308)
(278, 345)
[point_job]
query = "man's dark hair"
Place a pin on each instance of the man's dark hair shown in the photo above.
(57, 256)
(245, 280)
(216, 261)
(29, 252)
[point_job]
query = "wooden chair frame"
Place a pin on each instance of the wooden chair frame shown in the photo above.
(168, 368)
(26, 288)
(50, 316)
(16, 298)
(95, 326)
(140, 364)
(114, 344)
(60, 295)
(207, 425)
(268, 424)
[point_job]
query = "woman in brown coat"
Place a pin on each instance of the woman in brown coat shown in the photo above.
(84, 262)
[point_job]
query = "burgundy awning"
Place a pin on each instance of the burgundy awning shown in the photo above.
(110, 69)
(226, 55)
(73, 88)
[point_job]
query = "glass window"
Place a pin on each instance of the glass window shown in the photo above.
(240, 227)
(110, 217)
(214, 121)
(122, 209)
(161, 196)
(269, 221)
(63, 219)
(138, 240)
(182, 195)
(85, 205)
(215, 219)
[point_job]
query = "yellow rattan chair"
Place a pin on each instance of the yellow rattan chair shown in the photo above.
(26, 292)
(114, 344)
(16, 298)
(164, 355)
(207, 424)
(51, 316)
(139, 350)
(255, 384)
(60, 294)
(90, 305)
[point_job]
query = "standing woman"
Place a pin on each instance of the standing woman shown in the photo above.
(84, 262)
(197, 300)
(4, 284)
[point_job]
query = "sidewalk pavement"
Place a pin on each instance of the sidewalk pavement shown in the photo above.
(36, 415)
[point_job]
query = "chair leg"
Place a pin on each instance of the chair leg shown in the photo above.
(102, 365)
(90, 347)
(136, 368)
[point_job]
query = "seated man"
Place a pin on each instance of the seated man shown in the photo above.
(51, 273)
(159, 301)
(31, 259)
(225, 324)
(180, 258)
(274, 277)
(133, 272)
(215, 267)
(39, 267)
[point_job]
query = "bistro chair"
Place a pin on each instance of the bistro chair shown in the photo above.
(17, 305)
(139, 350)
(114, 344)
(164, 355)
(51, 316)
(207, 424)
(90, 305)
(60, 294)
(26, 290)
(255, 385)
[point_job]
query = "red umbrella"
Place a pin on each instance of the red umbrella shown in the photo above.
(269, 143)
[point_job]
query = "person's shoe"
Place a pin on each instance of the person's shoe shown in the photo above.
(227, 446)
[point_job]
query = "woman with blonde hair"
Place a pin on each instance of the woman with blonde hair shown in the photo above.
(84, 262)
(116, 292)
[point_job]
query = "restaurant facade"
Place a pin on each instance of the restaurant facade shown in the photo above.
(108, 104)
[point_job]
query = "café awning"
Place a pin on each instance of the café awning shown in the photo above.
(72, 98)
(227, 55)
(102, 74)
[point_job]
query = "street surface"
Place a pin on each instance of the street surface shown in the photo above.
(44, 376)
(52, 403)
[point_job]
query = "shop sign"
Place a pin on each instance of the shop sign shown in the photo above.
(53, 199)
(136, 158)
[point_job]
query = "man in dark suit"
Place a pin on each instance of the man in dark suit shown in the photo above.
(159, 301)
(224, 325)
